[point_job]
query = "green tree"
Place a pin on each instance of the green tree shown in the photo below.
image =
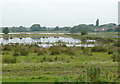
(80, 27)
(5, 30)
(110, 30)
(18, 29)
(56, 28)
(84, 32)
(35, 27)
(117, 29)
(22, 29)
(13, 29)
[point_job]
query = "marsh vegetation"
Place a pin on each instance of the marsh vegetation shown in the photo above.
(30, 62)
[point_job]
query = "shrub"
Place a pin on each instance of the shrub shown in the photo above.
(115, 57)
(7, 47)
(86, 51)
(93, 72)
(16, 44)
(82, 47)
(16, 54)
(81, 78)
(5, 53)
(54, 51)
(49, 59)
(41, 51)
(62, 49)
(24, 52)
(35, 49)
(112, 50)
(65, 79)
(101, 80)
(71, 51)
(43, 59)
(117, 43)
(9, 59)
(84, 32)
(56, 58)
(99, 49)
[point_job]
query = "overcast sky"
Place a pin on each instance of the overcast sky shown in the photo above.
(53, 13)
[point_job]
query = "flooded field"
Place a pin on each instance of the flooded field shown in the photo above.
(37, 33)
(46, 41)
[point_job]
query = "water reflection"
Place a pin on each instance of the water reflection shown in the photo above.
(37, 33)
(47, 41)
(29, 40)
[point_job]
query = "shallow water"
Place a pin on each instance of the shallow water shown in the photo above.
(47, 41)
(37, 33)
(67, 45)
(29, 40)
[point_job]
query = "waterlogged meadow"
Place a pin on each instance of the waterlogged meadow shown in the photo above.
(32, 63)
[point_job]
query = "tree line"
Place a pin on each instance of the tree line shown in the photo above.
(74, 29)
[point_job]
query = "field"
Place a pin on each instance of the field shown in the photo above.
(30, 63)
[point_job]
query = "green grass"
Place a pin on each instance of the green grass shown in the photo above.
(28, 68)
(52, 71)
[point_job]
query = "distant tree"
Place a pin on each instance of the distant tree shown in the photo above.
(65, 29)
(5, 30)
(79, 28)
(117, 29)
(18, 29)
(84, 32)
(56, 28)
(13, 29)
(91, 25)
(110, 30)
(110, 25)
(43, 28)
(35, 27)
(22, 29)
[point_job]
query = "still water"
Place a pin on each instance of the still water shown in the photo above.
(47, 41)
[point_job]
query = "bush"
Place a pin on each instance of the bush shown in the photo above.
(62, 49)
(93, 72)
(99, 49)
(5, 53)
(59, 50)
(117, 44)
(65, 79)
(112, 50)
(16, 54)
(71, 51)
(84, 32)
(23, 50)
(43, 59)
(7, 47)
(56, 58)
(8, 59)
(101, 80)
(41, 51)
(115, 57)
(34, 49)
(54, 50)
(86, 51)
(81, 78)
